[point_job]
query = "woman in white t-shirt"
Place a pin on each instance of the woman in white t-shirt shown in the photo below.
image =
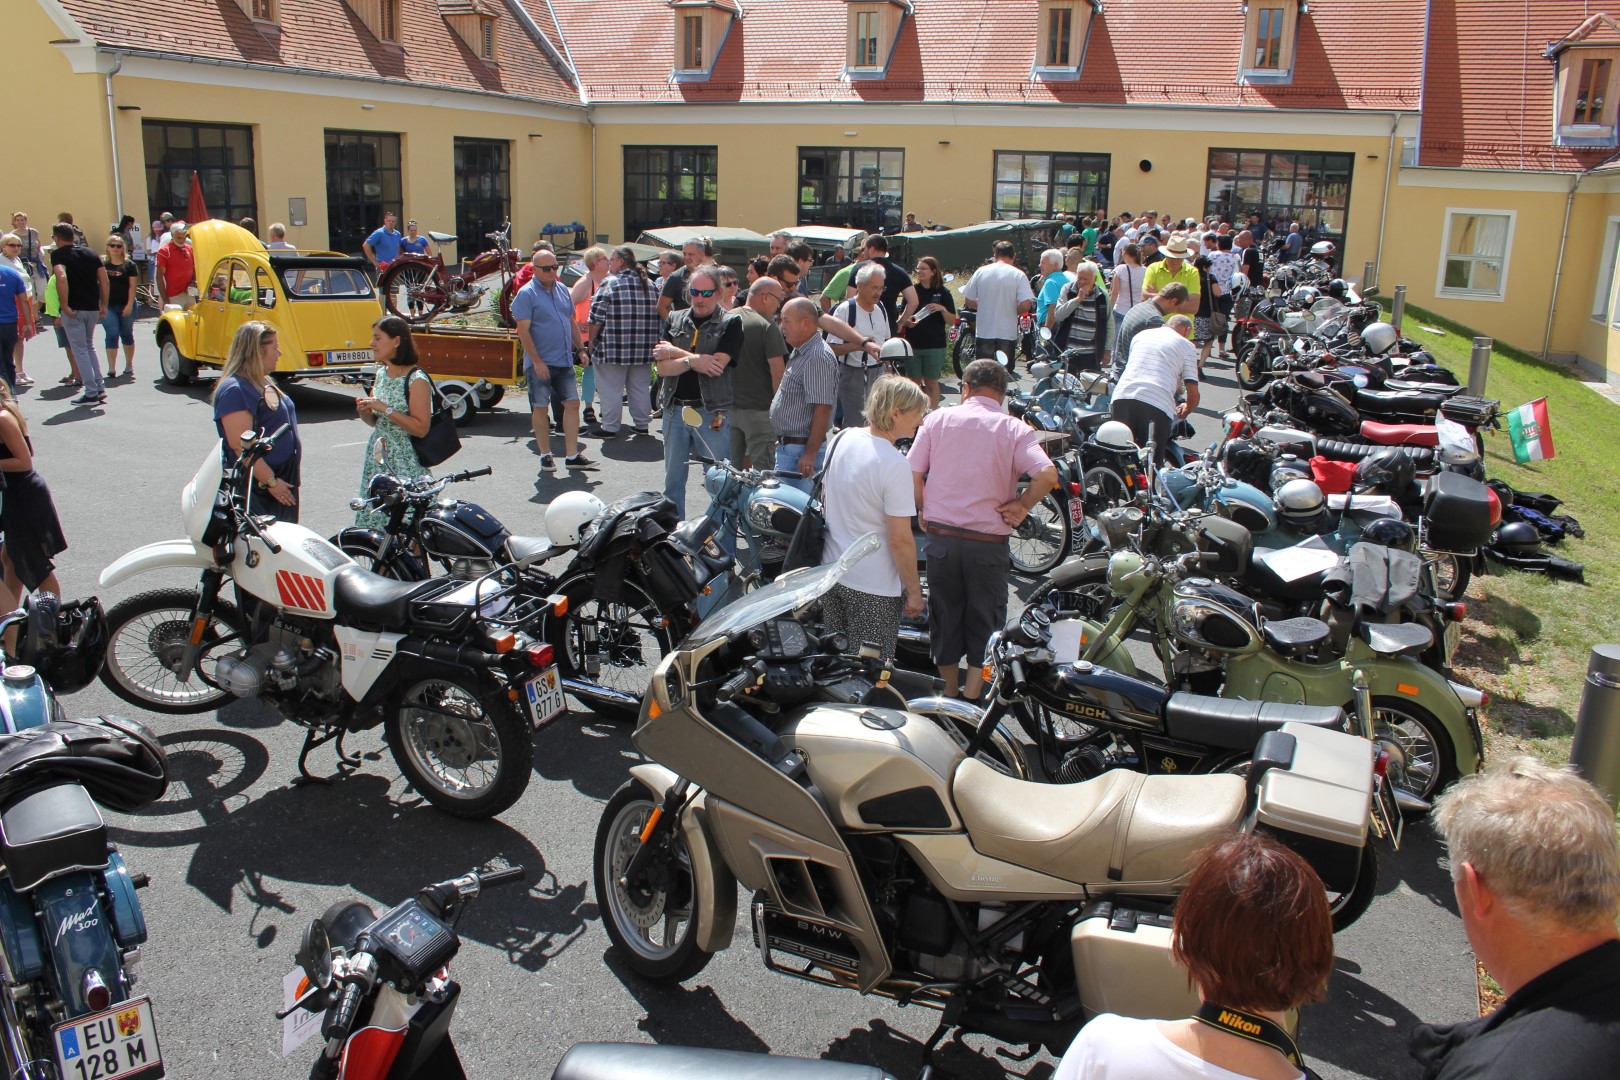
(1127, 283)
(867, 487)
(1254, 933)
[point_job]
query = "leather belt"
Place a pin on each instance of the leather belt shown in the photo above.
(696, 403)
(794, 440)
(964, 534)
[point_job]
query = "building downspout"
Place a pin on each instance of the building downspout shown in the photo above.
(1558, 267)
(590, 114)
(1383, 211)
(112, 133)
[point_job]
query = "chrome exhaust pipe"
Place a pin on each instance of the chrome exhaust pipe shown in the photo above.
(590, 691)
(915, 636)
(1410, 805)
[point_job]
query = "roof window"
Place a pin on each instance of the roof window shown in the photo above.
(1586, 67)
(701, 27)
(1060, 46)
(1270, 32)
(874, 28)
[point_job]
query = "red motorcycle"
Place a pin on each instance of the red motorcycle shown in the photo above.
(418, 288)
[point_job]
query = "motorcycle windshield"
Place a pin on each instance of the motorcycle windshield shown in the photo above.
(787, 593)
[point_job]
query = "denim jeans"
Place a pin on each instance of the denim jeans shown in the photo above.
(787, 461)
(80, 328)
(679, 443)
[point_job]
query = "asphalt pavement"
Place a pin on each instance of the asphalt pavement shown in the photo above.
(240, 859)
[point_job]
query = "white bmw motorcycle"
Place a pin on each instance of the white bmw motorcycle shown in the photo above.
(335, 647)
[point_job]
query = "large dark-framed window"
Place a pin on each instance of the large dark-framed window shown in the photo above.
(483, 191)
(858, 188)
(220, 154)
(669, 185)
(362, 181)
(1027, 185)
(1282, 187)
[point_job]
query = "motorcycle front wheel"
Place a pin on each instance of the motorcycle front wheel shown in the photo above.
(963, 347)
(623, 642)
(1042, 539)
(396, 285)
(652, 923)
(1253, 366)
(1424, 762)
(1451, 574)
(147, 637)
(461, 744)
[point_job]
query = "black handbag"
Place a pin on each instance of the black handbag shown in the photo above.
(805, 548)
(442, 441)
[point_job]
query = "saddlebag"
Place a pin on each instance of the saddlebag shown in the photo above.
(1319, 802)
(623, 1061)
(1111, 940)
(118, 761)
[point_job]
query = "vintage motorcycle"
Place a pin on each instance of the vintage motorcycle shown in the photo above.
(71, 926)
(334, 647)
(418, 288)
(380, 985)
(884, 859)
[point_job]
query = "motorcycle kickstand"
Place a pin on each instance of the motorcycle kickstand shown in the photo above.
(346, 763)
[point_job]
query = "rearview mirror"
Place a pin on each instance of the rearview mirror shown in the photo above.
(949, 278)
(1041, 370)
(1046, 333)
(1003, 359)
(691, 417)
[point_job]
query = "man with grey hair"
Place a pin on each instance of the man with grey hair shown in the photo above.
(757, 373)
(1053, 278)
(694, 371)
(278, 238)
(779, 241)
(1536, 874)
(802, 410)
(1162, 362)
(867, 316)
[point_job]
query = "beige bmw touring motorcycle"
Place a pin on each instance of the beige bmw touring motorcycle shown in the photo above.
(883, 858)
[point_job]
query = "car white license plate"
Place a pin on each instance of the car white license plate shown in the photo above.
(119, 1043)
(348, 356)
(545, 696)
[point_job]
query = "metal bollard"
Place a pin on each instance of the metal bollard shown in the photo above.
(1479, 366)
(1397, 308)
(1596, 753)
(1367, 280)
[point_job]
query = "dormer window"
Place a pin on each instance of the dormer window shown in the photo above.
(1587, 96)
(263, 13)
(1062, 29)
(474, 23)
(1270, 30)
(701, 27)
(387, 24)
(873, 30)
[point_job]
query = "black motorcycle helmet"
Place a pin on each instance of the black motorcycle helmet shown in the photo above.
(1338, 288)
(1457, 460)
(1518, 538)
(1304, 296)
(1391, 533)
(1389, 471)
(65, 642)
(385, 486)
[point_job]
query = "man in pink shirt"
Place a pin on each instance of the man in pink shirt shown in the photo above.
(966, 463)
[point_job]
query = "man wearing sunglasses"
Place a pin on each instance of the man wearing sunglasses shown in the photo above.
(544, 313)
(694, 369)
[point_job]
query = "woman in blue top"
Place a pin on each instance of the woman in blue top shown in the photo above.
(400, 407)
(246, 400)
(414, 243)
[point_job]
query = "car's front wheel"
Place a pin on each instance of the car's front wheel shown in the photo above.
(177, 369)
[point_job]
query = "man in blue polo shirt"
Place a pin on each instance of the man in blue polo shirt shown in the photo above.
(382, 246)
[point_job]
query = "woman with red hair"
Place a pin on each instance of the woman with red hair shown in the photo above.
(1254, 933)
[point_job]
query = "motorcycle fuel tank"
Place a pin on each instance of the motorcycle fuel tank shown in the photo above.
(458, 530)
(299, 578)
(1207, 615)
(775, 508)
(1097, 695)
(878, 768)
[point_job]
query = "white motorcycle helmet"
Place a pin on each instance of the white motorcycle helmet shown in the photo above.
(1115, 436)
(896, 350)
(568, 515)
(1379, 338)
(1300, 501)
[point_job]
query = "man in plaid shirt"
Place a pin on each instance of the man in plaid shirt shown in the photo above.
(624, 326)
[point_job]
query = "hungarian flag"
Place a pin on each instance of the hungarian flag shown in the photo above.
(1530, 428)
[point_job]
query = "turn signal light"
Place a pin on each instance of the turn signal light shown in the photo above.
(987, 672)
(559, 604)
(653, 711)
(505, 643)
(542, 656)
(1456, 612)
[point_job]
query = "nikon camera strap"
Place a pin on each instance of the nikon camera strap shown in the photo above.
(1247, 1025)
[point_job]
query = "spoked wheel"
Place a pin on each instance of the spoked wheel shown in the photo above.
(1345, 907)
(461, 745)
(406, 292)
(1041, 539)
(1422, 761)
(614, 646)
(147, 636)
(1253, 366)
(1101, 488)
(1451, 574)
(963, 347)
(650, 921)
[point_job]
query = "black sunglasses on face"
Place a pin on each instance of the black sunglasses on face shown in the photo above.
(546, 269)
(702, 292)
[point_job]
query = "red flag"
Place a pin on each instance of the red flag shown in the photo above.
(196, 209)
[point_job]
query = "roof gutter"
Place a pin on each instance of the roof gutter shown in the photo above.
(112, 135)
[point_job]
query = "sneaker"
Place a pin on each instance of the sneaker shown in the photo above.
(86, 399)
(101, 398)
(590, 415)
(639, 430)
(580, 461)
(597, 431)
(547, 463)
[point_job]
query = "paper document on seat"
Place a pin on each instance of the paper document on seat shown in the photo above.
(1372, 504)
(1302, 560)
(1067, 639)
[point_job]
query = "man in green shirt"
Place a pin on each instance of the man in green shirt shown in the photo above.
(1089, 234)
(1175, 266)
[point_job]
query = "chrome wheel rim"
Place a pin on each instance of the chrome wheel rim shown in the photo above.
(450, 739)
(1414, 758)
(144, 656)
(1038, 542)
(654, 923)
(627, 649)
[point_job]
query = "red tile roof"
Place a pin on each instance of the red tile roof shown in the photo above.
(1165, 52)
(1488, 94)
(326, 36)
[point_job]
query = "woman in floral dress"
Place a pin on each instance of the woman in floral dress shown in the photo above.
(400, 406)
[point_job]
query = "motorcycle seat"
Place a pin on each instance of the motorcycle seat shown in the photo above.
(1398, 402)
(1442, 389)
(1118, 827)
(1235, 724)
(1394, 639)
(442, 237)
(1295, 637)
(371, 600)
(634, 1061)
(1344, 450)
(527, 550)
(52, 831)
(1400, 434)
